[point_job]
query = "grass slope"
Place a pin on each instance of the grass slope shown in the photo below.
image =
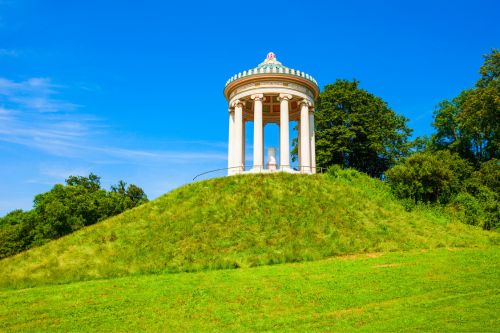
(432, 291)
(242, 221)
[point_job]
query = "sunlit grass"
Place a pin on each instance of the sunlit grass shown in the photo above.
(439, 290)
(243, 221)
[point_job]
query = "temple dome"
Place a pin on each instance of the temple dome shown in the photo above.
(271, 65)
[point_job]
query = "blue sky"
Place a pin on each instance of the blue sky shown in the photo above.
(133, 90)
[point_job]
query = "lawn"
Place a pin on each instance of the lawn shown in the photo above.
(441, 290)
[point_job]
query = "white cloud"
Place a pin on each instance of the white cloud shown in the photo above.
(36, 119)
(8, 53)
(62, 140)
(61, 173)
(34, 94)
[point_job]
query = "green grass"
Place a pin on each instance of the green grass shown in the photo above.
(439, 290)
(242, 221)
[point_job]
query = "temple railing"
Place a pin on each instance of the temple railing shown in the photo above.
(251, 169)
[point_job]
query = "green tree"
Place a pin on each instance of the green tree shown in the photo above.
(357, 129)
(469, 124)
(127, 196)
(16, 232)
(490, 70)
(91, 183)
(484, 187)
(64, 209)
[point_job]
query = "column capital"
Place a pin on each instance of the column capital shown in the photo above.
(284, 97)
(257, 97)
(305, 102)
(238, 103)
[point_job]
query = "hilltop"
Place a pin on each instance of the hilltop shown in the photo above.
(243, 221)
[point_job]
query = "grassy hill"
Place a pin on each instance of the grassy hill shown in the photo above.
(439, 290)
(242, 221)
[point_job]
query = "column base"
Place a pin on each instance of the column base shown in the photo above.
(306, 170)
(257, 169)
(287, 169)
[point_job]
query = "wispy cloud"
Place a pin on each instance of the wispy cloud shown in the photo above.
(63, 140)
(8, 53)
(34, 94)
(32, 115)
(61, 173)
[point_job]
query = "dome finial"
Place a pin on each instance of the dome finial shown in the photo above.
(271, 56)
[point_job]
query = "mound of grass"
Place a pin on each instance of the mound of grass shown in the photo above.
(432, 291)
(242, 221)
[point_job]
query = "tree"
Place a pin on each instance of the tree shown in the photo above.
(490, 70)
(16, 232)
(92, 182)
(357, 129)
(484, 187)
(128, 197)
(469, 124)
(64, 209)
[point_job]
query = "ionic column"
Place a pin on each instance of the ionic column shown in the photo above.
(238, 136)
(230, 148)
(243, 147)
(312, 141)
(258, 133)
(305, 145)
(284, 132)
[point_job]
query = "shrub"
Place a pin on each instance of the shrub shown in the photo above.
(429, 176)
(469, 209)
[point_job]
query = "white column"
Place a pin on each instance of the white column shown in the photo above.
(312, 141)
(230, 148)
(243, 145)
(258, 133)
(238, 135)
(284, 132)
(305, 144)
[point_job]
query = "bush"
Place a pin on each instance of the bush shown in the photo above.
(429, 176)
(469, 209)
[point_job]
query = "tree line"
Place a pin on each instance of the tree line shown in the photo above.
(457, 167)
(80, 202)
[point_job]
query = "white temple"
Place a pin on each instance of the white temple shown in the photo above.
(271, 93)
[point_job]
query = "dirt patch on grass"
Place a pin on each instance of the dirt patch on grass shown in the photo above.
(345, 312)
(386, 265)
(360, 256)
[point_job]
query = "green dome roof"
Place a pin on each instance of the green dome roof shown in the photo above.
(271, 65)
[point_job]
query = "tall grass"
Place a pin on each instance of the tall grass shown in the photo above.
(243, 221)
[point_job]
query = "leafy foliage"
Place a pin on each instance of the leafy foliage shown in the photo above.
(484, 186)
(64, 209)
(429, 177)
(469, 124)
(16, 232)
(357, 129)
(490, 71)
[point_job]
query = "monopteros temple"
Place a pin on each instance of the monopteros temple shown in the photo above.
(271, 93)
